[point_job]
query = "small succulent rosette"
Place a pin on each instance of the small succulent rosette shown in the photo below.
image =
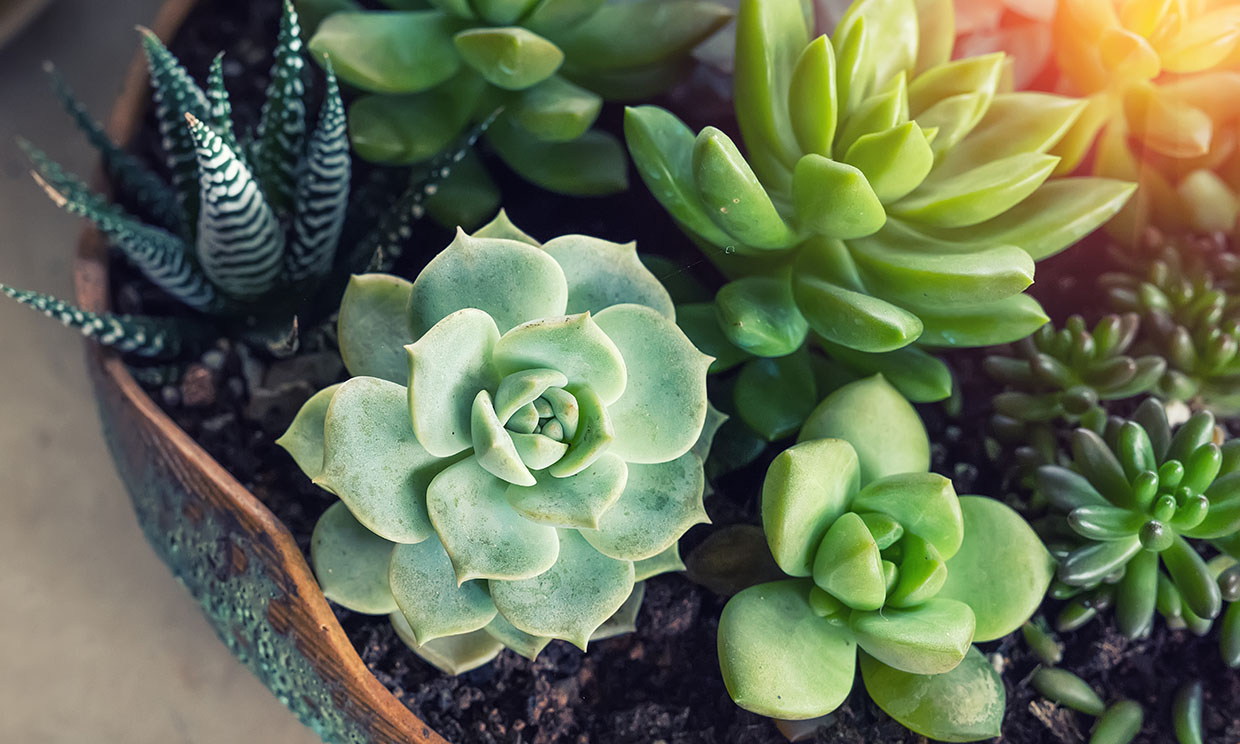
(892, 571)
(540, 461)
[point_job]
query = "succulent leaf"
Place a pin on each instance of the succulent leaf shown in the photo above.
(964, 704)
(351, 562)
(219, 106)
(660, 502)
(304, 438)
(322, 193)
(931, 638)
(373, 327)
(421, 579)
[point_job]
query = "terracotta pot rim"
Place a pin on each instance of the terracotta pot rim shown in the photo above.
(91, 289)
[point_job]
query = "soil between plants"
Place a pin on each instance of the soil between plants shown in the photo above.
(660, 684)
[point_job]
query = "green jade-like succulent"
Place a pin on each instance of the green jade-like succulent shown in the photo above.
(887, 195)
(515, 451)
(248, 229)
(430, 67)
(1140, 497)
(890, 570)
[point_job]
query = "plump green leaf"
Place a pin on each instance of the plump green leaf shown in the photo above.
(922, 573)
(529, 646)
(660, 503)
(304, 437)
(1014, 123)
(770, 36)
(428, 595)
(873, 325)
(576, 501)
(593, 164)
(835, 199)
(451, 655)
(918, 376)
(654, 31)
(513, 57)
(759, 315)
(891, 37)
(571, 344)
(807, 487)
(502, 226)
(894, 162)
(930, 638)
(494, 447)
(556, 15)
(774, 396)
(601, 274)
(595, 434)
(389, 51)
(413, 127)
(964, 704)
(976, 195)
(925, 504)
(885, 109)
(879, 423)
(351, 562)
(556, 110)
(811, 98)
(962, 76)
(779, 658)
(953, 279)
(1191, 576)
(1002, 570)
(733, 196)
(700, 323)
(660, 414)
(572, 598)
(982, 324)
(847, 564)
(373, 328)
(373, 462)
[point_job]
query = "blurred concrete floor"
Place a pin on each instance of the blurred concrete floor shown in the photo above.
(97, 642)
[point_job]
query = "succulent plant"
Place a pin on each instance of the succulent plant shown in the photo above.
(887, 195)
(1157, 76)
(247, 229)
(515, 447)
(1139, 497)
(428, 68)
(890, 569)
(1188, 319)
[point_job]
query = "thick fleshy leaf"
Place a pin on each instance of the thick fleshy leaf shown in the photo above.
(976, 195)
(502, 226)
(941, 278)
(931, 638)
(807, 487)
(412, 127)
(1002, 570)
(759, 315)
(571, 344)
(494, 447)
(373, 462)
(847, 564)
(666, 562)
(885, 109)
(878, 422)
(373, 328)
(427, 592)
(350, 562)
(601, 274)
(811, 98)
(448, 365)
(961, 76)
(965, 704)
(529, 646)
(484, 536)
(304, 437)
(660, 414)
(770, 36)
(835, 199)
(894, 162)
(779, 658)
(519, 389)
(1015, 123)
(572, 598)
(891, 35)
(557, 110)
(925, 504)
(624, 620)
(700, 323)
(593, 164)
(654, 31)
(451, 655)
(982, 324)
(513, 282)
(922, 572)
(774, 396)
(512, 57)
(660, 503)
(577, 501)
(734, 197)
(389, 51)
(595, 434)
(873, 325)
(918, 376)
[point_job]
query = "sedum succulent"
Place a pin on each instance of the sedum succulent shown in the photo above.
(1142, 496)
(515, 449)
(889, 569)
(428, 68)
(886, 196)
(248, 228)
(1159, 77)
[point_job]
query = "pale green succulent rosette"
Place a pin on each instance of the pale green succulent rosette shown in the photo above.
(542, 460)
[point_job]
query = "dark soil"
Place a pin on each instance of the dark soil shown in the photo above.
(660, 684)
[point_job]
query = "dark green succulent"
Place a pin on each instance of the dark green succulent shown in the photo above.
(429, 67)
(1140, 497)
(248, 229)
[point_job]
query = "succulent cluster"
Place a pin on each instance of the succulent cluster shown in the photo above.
(515, 449)
(248, 228)
(890, 570)
(429, 68)
(1136, 502)
(882, 199)
(1157, 76)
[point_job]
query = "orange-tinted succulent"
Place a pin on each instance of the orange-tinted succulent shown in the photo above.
(1164, 81)
(1021, 28)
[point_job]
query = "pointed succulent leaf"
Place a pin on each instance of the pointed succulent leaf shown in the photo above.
(835, 199)
(623, 620)
(807, 488)
(774, 396)
(1191, 576)
(894, 161)
(919, 376)
(779, 658)
(529, 646)
(594, 164)
(812, 106)
(572, 344)
(885, 109)
(557, 15)
(1014, 123)
(666, 562)
(654, 31)
(572, 598)
(925, 504)
(660, 503)
(390, 51)
(578, 501)
(941, 278)
(967, 75)
(322, 196)
(759, 315)
(964, 704)
(304, 438)
(601, 274)
(484, 536)
(512, 58)
(557, 110)
(879, 423)
(1090, 564)
(877, 325)
(980, 194)
(594, 436)
(495, 448)
(502, 226)
(351, 562)
(981, 324)
(412, 127)
(891, 35)
(734, 197)
(219, 105)
(373, 462)
(770, 36)
(847, 564)
(931, 638)
(452, 655)
(373, 327)
(427, 592)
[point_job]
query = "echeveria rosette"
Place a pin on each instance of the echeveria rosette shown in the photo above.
(889, 569)
(1161, 79)
(887, 195)
(429, 68)
(1140, 497)
(538, 465)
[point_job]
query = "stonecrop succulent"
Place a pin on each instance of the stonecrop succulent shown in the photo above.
(1160, 77)
(250, 226)
(890, 570)
(1142, 496)
(431, 67)
(887, 194)
(515, 447)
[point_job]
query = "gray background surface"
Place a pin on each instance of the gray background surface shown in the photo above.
(97, 642)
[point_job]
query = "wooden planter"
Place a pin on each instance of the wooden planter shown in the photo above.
(232, 554)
